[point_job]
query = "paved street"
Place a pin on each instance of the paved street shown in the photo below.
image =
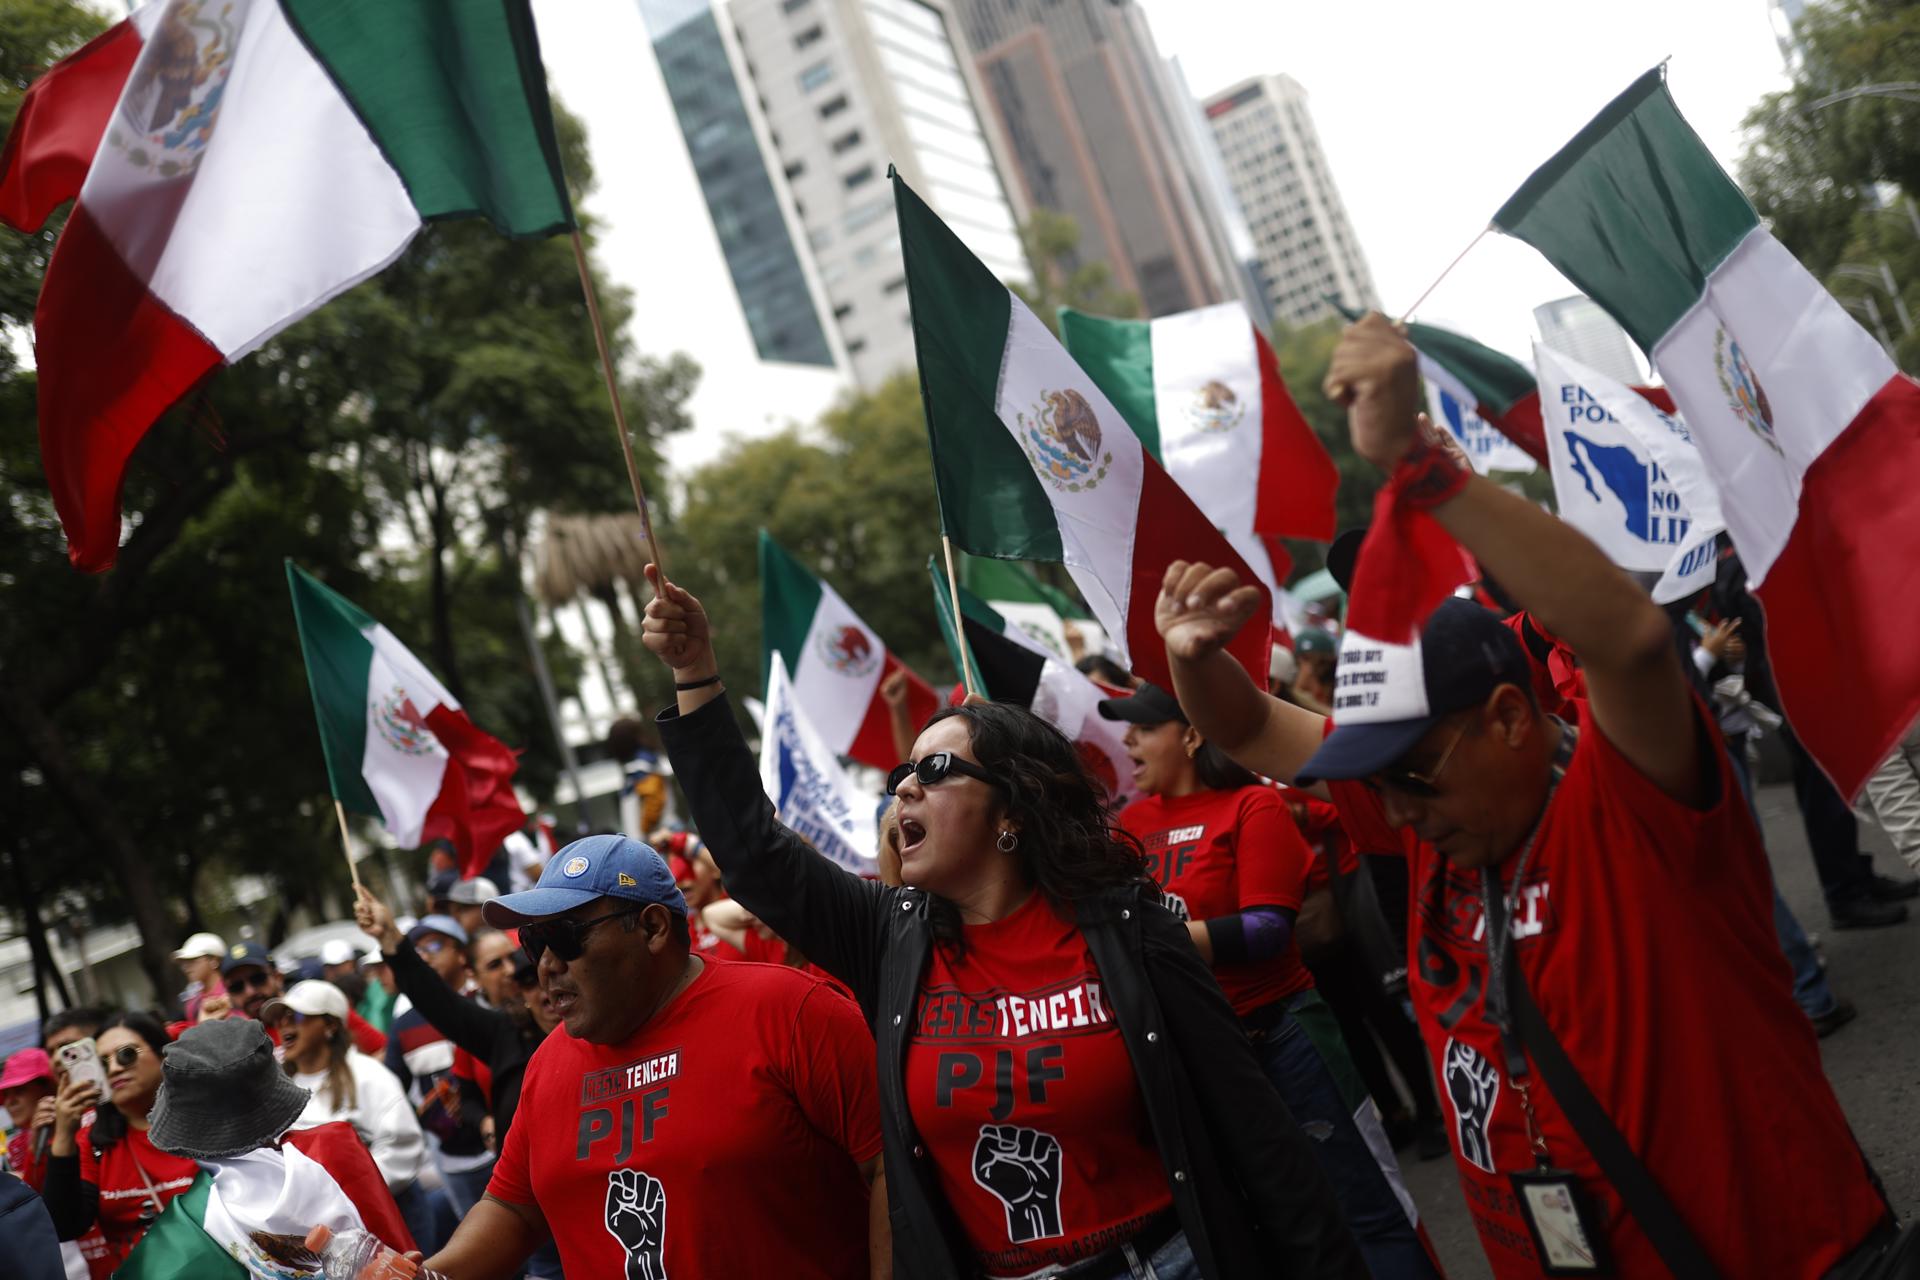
(1872, 1062)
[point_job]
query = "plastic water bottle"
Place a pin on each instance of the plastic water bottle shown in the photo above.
(353, 1254)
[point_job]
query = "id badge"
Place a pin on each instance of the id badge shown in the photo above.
(1567, 1235)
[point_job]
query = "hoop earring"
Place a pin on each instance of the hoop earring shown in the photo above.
(1007, 842)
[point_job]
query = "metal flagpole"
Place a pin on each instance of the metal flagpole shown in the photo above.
(959, 626)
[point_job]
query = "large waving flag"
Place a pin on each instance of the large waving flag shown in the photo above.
(812, 793)
(1628, 476)
(398, 746)
(1810, 433)
(238, 164)
(246, 1217)
(1015, 666)
(837, 662)
(1033, 462)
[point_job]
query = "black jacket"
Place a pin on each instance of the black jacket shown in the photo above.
(1247, 1190)
(501, 1041)
(26, 1233)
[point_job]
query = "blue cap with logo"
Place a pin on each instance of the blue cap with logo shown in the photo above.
(596, 867)
(242, 954)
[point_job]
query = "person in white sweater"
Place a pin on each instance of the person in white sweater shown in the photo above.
(311, 1019)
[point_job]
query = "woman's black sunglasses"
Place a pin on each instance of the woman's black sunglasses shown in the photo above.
(568, 938)
(938, 767)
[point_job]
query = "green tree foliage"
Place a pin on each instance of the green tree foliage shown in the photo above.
(1836, 176)
(156, 733)
(853, 498)
(1062, 278)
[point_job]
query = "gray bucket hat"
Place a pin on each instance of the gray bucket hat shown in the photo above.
(221, 1092)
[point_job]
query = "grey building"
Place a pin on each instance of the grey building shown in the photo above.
(798, 107)
(1090, 114)
(1302, 236)
(1577, 328)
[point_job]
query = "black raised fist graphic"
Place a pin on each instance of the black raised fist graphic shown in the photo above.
(1022, 1169)
(637, 1217)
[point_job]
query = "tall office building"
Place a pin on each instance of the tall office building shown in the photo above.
(792, 110)
(1306, 245)
(1577, 328)
(1090, 114)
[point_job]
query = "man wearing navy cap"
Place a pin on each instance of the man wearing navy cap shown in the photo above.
(693, 1119)
(1604, 873)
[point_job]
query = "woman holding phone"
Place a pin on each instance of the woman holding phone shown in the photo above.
(108, 1173)
(1063, 1087)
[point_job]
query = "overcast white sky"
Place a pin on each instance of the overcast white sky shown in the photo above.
(1431, 114)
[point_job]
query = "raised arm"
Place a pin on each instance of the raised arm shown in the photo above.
(836, 918)
(1637, 691)
(1199, 609)
(469, 1024)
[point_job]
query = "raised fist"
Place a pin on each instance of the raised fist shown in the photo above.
(1021, 1167)
(1201, 608)
(637, 1217)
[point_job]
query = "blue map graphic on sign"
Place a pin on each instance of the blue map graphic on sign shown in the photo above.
(1620, 471)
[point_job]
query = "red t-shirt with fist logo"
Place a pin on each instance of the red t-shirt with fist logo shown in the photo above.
(722, 1138)
(1216, 853)
(1024, 1097)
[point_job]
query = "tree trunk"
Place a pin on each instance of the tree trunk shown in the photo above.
(131, 867)
(46, 973)
(441, 618)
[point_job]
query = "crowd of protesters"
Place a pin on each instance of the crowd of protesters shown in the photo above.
(1052, 1038)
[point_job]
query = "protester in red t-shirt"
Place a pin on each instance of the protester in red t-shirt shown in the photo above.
(687, 1119)
(1061, 1081)
(107, 1172)
(1612, 867)
(1226, 854)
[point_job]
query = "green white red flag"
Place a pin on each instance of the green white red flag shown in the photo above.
(1013, 665)
(835, 661)
(1202, 389)
(237, 165)
(1031, 459)
(1806, 428)
(398, 746)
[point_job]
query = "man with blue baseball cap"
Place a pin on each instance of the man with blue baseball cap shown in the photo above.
(686, 1117)
(1595, 968)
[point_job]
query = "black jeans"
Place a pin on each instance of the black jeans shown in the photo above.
(1846, 874)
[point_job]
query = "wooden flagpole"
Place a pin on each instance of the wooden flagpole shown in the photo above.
(613, 395)
(959, 624)
(346, 847)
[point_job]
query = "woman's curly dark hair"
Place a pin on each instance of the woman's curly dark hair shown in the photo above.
(1069, 844)
(109, 1126)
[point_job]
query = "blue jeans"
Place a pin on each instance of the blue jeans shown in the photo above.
(1171, 1261)
(1387, 1240)
(1810, 989)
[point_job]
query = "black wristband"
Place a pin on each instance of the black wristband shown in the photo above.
(690, 685)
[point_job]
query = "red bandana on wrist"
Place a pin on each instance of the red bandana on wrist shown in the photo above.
(1408, 564)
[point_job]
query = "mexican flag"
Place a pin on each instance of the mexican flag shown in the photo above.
(1809, 432)
(1203, 391)
(246, 1217)
(238, 164)
(1014, 666)
(835, 660)
(397, 744)
(1027, 602)
(1033, 462)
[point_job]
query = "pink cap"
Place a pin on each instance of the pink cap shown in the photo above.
(25, 1066)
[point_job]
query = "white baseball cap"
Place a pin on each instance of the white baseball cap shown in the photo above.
(476, 892)
(312, 997)
(201, 944)
(336, 951)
